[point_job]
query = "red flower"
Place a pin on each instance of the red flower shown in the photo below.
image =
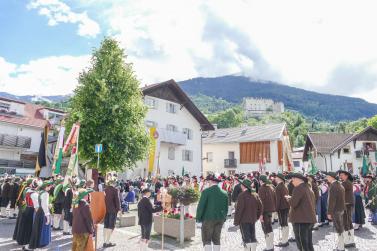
(165, 211)
(190, 217)
(187, 214)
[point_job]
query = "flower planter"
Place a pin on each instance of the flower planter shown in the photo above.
(171, 227)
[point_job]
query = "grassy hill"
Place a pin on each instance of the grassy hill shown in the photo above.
(232, 89)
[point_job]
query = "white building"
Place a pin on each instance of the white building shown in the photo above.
(256, 107)
(334, 151)
(297, 157)
(179, 125)
(247, 149)
(21, 126)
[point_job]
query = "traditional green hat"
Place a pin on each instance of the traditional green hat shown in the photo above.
(298, 176)
(57, 189)
(246, 183)
(46, 183)
(264, 179)
(80, 194)
(281, 176)
(65, 187)
(59, 180)
(331, 174)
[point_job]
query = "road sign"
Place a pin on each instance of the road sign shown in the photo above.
(99, 148)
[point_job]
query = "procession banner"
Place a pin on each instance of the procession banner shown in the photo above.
(152, 151)
(74, 159)
(58, 155)
(72, 137)
(42, 155)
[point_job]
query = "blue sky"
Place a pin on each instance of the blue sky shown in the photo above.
(26, 35)
(316, 45)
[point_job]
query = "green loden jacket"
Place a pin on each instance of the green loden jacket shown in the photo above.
(213, 205)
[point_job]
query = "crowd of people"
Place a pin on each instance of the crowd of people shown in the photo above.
(299, 203)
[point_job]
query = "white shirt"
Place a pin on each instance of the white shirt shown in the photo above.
(34, 198)
(44, 203)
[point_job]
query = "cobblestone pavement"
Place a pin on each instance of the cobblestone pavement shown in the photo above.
(127, 239)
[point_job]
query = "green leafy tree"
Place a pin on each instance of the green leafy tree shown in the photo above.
(108, 104)
(373, 121)
(229, 118)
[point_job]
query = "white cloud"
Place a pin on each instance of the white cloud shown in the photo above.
(44, 76)
(59, 12)
(295, 42)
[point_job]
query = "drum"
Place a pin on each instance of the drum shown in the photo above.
(97, 206)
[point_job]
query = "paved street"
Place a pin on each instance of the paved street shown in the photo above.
(127, 239)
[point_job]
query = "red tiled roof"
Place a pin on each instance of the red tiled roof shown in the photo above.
(32, 117)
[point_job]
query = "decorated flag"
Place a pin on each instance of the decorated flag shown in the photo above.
(41, 159)
(364, 169)
(74, 159)
(153, 134)
(313, 170)
(72, 137)
(58, 155)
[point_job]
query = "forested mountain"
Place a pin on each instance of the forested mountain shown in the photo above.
(232, 89)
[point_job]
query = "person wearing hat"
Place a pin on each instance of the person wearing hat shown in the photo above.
(336, 207)
(112, 203)
(347, 183)
(313, 185)
(359, 217)
(268, 197)
(145, 212)
(302, 211)
(58, 201)
(25, 226)
(41, 233)
(5, 197)
(211, 212)
(248, 211)
(282, 208)
(371, 192)
(67, 207)
(82, 224)
(14, 189)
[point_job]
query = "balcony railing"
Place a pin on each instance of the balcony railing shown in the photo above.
(17, 164)
(172, 137)
(14, 141)
(230, 163)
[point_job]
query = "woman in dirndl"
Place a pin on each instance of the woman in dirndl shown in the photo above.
(41, 233)
(359, 214)
(26, 220)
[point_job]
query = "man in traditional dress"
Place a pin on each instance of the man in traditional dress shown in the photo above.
(58, 201)
(112, 203)
(82, 225)
(336, 207)
(67, 207)
(15, 187)
(347, 179)
(212, 211)
(248, 211)
(372, 198)
(282, 208)
(313, 185)
(302, 211)
(145, 211)
(5, 196)
(268, 197)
